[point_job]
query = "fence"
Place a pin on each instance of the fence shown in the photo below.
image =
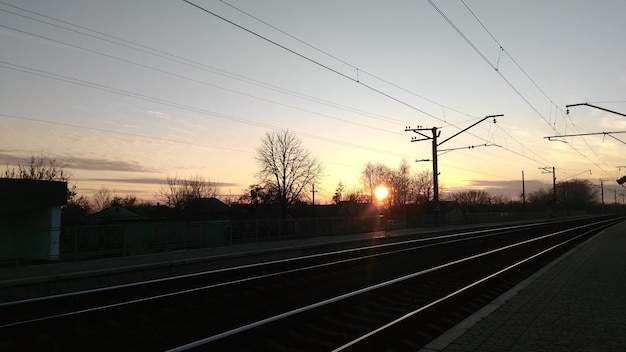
(101, 241)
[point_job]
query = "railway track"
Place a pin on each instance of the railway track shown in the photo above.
(397, 295)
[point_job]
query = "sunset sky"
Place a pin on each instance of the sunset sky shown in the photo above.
(128, 93)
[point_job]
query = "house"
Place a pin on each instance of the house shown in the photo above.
(206, 209)
(116, 214)
(30, 218)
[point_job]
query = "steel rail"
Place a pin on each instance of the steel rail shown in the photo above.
(268, 263)
(455, 293)
(335, 299)
(451, 239)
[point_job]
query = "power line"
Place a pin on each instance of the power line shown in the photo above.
(471, 44)
(181, 60)
(536, 86)
(161, 139)
(305, 110)
(180, 106)
(320, 64)
(225, 73)
(199, 81)
(308, 58)
(359, 70)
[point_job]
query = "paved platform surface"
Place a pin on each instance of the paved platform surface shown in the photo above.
(577, 303)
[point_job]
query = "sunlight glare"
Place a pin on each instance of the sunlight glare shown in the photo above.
(381, 192)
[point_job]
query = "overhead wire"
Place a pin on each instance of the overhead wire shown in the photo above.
(198, 81)
(178, 57)
(317, 62)
(185, 61)
(153, 68)
(509, 83)
(557, 107)
(534, 83)
(109, 89)
(346, 76)
(357, 69)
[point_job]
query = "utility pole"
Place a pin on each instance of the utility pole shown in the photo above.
(436, 134)
(546, 170)
(602, 191)
(523, 190)
(554, 186)
(313, 191)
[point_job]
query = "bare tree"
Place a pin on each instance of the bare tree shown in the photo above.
(576, 194)
(128, 201)
(374, 175)
(39, 168)
(102, 199)
(258, 194)
(472, 199)
(401, 183)
(422, 187)
(338, 196)
(285, 166)
(177, 192)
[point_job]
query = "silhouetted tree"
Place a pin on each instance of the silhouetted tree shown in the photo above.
(422, 187)
(540, 198)
(75, 211)
(374, 175)
(285, 166)
(39, 168)
(356, 195)
(400, 181)
(102, 199)
(257, 194)
(576, 194)
(42, 168)
(177, 192)
(472, 199)
(337, 197)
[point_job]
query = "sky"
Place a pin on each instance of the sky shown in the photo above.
(129, 93)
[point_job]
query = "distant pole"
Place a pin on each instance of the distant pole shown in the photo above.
(435, 171)
(602, 191)
(523, 190)
(313, 191)
(554, 186)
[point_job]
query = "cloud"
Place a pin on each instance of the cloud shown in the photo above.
(98, 164)
(12, 159)
(512, 188)
(159, 114)
(151, 181)
(77, 163)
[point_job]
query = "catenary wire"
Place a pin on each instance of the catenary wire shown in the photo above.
(75, 81)
(185, 61)
(468, 115)
(159, 70)
(199, 81)
(509, 83)
(320, 64)
(532, 81)
(193, 62)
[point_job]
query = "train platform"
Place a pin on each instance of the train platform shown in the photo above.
(577, 303)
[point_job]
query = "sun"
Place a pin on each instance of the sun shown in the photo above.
(381, 192)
